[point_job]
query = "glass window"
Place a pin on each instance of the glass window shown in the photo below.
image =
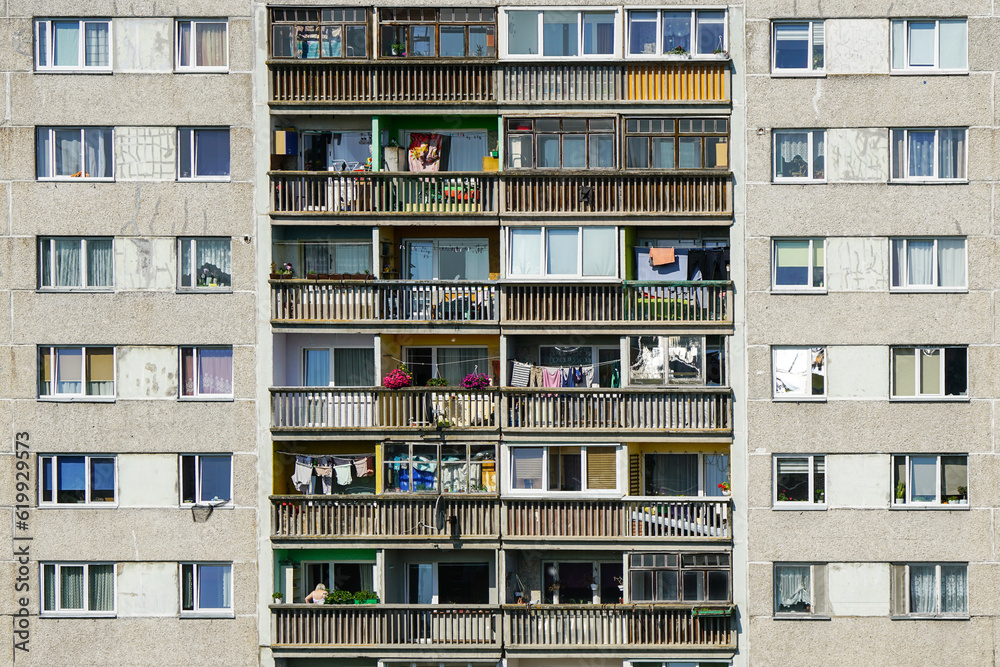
(205, 263)
(929, 44)
(76, 372)
(564, 468)
(931, 154)
(677, 360)
(202, 154)
(688, 143)
(929, 589)
(446, 259)
(561, 143)
(457, 32)
(202, 45)
(799, 372)
(206, 372)
(930, 480)
(797, 264)
(78, 589)
(68, 262)
(206, 479)
(671, 31)
(584, 252)
(929, 264)
(452, 363)
(798, 47)
(671, 577)
(929, 372)
(557, 33)
(206, 588)
(76, 480)
(793, 589)
(74, 152)
(335, 32)
(439, 468)
(799, 480)
(73, 45)
(799, 155)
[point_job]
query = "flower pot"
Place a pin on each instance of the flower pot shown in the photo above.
(275, 276)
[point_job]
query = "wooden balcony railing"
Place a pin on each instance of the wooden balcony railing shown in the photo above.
(632, 302)
(586, 627)
(384, 301)
(617, 192)
(383, 192)
(386, 626)
(386, 517)
(379, 408)
(648, 518)
(624, 409)
(396, 81)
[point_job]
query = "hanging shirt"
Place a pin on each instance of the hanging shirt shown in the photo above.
(343, 474)
(567, 376)
(588, 376)
(303, 474)
(551, 377)
(520, 375)
(364, 466)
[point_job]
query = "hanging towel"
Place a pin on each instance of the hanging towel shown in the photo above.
(537, 378)
(343, 474)
(303, 473)
(661, 256)
(520, 375)
(567, 376)
(364, 466)
(588, 376)
(551, 377)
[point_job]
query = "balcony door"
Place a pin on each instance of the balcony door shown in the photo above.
(448, 583)
(446, 259)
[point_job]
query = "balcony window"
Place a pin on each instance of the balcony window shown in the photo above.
(75, 262)
(439, 468)
(561, 143)
(206, 589)
(672, 577)
(567, 468)
(448, 583)
(446, 259)
(656, 32)
(563, 252)
(930, 372)
(202, 45)
(73, 45)
(338, 367)
(928, 480)
(448, 32)
(338, 576)
(799, 372)
(202, 154)
(799, 155)
(797, 264)
(685, 474)
(450, 362)
(677, 360)
(74, 152)
(558, 33)
(599, 364)
(77, 480)
(78, 589)
(799, 481)
(76, 372)
(930, 589)
(799, 47)
(206, 372)
(206, 479)
(334, 32)
(929, 264)
(204, 263)
(929, 154)
(677, 143)
(928, 45)
(586, 582)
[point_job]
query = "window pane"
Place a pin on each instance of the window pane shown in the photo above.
(49, 585)
(100, 371)
(923, 589)
(689, 155)
(68, 149)
(671, 475)
(548, 151)
(951, 154)
(454, 363)
(210, 45)
(921, 147)
(559, 33)
(819, 44)
(684, 359)
(66, 36)
(921, 44)
(711, 31)
(923, 479)
(792, 588)
(904, 373)
(667, 589)
(791, 45)
(102, 480)
(599, 251)
(525, 252)
(951, 262)
(452, 41)
(71, 587)
(598, 33)
(519, 151)
(72, 476)
(100, 262)
(96, 51)
(602, 151)
(663, 152)
(574, 150)
(526, 467)
(898, 44)
(101, 587)
(676, 31)
(67, 262)
(930, 372)
(184, 43)
(353, 367)
(187, 371)
(642, 33)
(791, 155)
(954, 589)
(281, 41)
(422, 41)
(43, 166)
(562, 252)
(920, 263)
(954, 477)
(215, 478)
(357, 41)
(184, 139)
(522, 32)
(718, 586)
(212, 152)
(69, 371)
(214, 587)
(637, 152)
(791, 259)
(98, 161)
(212, 262)
(792, 479)
(956, 376)
(215, 371)
(953, 38)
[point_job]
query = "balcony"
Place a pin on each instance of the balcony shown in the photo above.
(380, 629)
(377, 409)
(631, 519)
(627, 409)
(407, 301)
(385, 518)
(615, 628)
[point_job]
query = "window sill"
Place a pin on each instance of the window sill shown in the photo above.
(205, 399)
(798, 74)
(72, 290)
(929, 399)
(798, 181)
(201, 70)
(800, 617)
(928, 181)
(204, 290)
(77, 399)
(226, 179)
(803, 290)
(72, 179)
(965, 617)
(76, 506)
(944, 507)
(929, 72)
(77, 614)
(928, 290)
(227, 505)
(74, 70)
(798, 507)
(206, 614)
(799, 399)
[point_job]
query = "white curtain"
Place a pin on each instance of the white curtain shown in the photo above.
(676, 30)
(367, 577)
(951, 153)
(951, 262)
(71, 587)
(921, 146)
(561, 251)
(920, 262)
(68, 150)
(716, 472)
(97, 44)
(97, 153)
(599, 251)
(923, 475)
(466, 151)
(67, 273)
(99, 263)
(954, 589)
(214, 256)
(454, 363)
(215, 371)
(525, 252)
(922, 589)
(101, 585)
(792, 144)
(792, 586)
(210, 45)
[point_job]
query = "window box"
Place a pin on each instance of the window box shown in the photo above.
(797, 265)
(206, 589)
(677, 143)
(78, 589)
(929, 373)
(922, 481)
(86, 373)
(319, 33)
(68, 263)
(202, 154)
(799, 156)
(929, 155)
(799, 373)
(206, 373)
(204, 264)
(73, 45)
(206, 479)
(77, 480)
(930, 590)
(560, 33)
(75, 153)
(929, 265)
(448, 32)
(202, 45)
(799, 482)
(926, 46)
(667, 33)
(798, 48)
(585, 253)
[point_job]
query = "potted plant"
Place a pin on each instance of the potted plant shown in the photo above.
(437, 382)
(397, 49)
(286, 271)
(721, 53)
(311, 275)
(476, 381)
(340, 597)
(724, 487)
(678, 53)
(900, 492)
(365, 597)
(398, 378)
(963, 495)
(274, 271)
(277, 597)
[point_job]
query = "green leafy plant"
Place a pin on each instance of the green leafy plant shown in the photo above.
(900, 490)
(277, 597)
(365, 596)
(437, 382)
(340, 597)
(678, 51)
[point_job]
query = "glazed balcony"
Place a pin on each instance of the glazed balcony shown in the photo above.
(385, 518)
(629, 409)
(642, 520)
(614, 629)
(380, 629)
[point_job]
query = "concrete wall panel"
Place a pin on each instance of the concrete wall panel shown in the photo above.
(145, 263)
(858, 480)
(857, 264)
(857, 46)
(148, 589)
(148, 480)
(145, 153)
(857, 155)
(857, 371)
(858, 589)
(147, 372)
(143, 45)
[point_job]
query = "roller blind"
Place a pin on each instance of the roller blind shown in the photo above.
(601, 468)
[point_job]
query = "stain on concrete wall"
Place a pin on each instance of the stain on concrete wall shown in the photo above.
(147, 372)
(144, 263)
(143, 45)
(857, 155)
(857, 46)
(145, 153)
(857, 264)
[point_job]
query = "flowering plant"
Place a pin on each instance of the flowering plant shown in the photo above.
(398, 378)
(724, 487)
(286, 270)
(476, 381)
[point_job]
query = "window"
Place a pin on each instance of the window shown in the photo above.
(328, 257)
(799, 480)
(335, 32)
(930, 589)
(587, 582)
(929, 264)
(564, 468)
(68, 262)
(204, 263)
(561, 143)
(74, 152)
(928, 155)
(351, 367)
(559, 33)
(666, 577)
(78, 589)
(202, 155)
(798, 47)
(448, 32)
(202, 45)
(654, 32)
(799, 589)
(452, 363)
(206, 588)
(677, 143)
(67, 45)
(930, 480)
(207, 372)
(574, 252)
(339, 576)
(927, 44)
(599, 364)
(206, 479)
(76, 372)
(929, 372)
(447, 468)
(448, 583)
(77, 480)
(446, 259)
(797, 264)
(685, 474)
(799, 155)
(799, 372)
(699, 360)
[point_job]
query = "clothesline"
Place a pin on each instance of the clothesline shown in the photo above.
(466, 361)
(341, 456)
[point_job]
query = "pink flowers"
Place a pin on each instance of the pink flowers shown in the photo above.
(398, 378)
(476, 381)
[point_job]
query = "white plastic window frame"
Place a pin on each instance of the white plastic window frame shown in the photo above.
(584, 492)
(83, 287)
(937, 591)
(797, 71)
(800, 398)
(84, 396)
(917, 370)
(193, 46)
(192, 136)
(504, 27)
(198, 396)
(815, 569)
(906, 155)
(936, 67)
(543, 263)
(658, 55)
(811, 178)
(84, 611)
(907, 502)
(798, 504)
(214, 612)
(44, 26)
(192, 242)
(808, 287)
(88, 503)
(51, 157)
(904, 268)
(198, 480)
